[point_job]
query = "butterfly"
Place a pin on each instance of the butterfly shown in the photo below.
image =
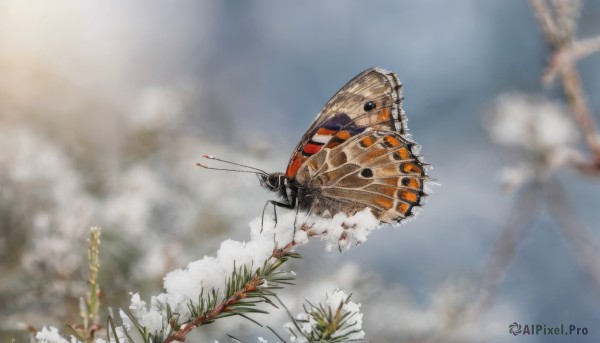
(356, 154)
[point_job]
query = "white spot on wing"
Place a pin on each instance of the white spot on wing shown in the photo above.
(323, 139)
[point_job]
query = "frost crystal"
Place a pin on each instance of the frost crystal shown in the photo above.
(335, 311)
(150, 318)
(50, 335)
(333, 301)
(338, 232)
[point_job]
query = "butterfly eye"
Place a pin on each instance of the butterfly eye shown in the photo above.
(369, 106)
(366, 172)
(273, 181)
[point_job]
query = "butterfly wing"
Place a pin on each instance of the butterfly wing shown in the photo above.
(370, 101)
(376, 169)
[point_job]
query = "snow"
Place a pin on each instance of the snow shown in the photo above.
(51, 335)
(331, 303)
(183, 286)
(530, 122)
(338, 232)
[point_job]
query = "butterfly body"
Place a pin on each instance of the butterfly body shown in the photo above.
(356, 154)
(292, 193)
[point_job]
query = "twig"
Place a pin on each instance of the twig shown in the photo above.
(545, 20)
(582, 242)
(568, 56)
(180, 335)
(559, 34)
(525, 209)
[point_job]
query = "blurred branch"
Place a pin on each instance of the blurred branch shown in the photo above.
(545, 20)
(580, 238)
(558, 24)
(525, 209)
(568, 56)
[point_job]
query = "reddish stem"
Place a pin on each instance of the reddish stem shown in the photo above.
(251, 285)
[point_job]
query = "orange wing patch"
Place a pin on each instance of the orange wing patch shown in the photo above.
(391, 141)
(383, 202)
(384, 115)
(404, 153)
(367, 142)
(343, 135)
(409, 196)
(323, 131)
(411, 182)
(404, 208)
(410, 168)
(294, 166)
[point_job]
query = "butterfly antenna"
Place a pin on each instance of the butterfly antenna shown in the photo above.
(211, 157)
(227, 169)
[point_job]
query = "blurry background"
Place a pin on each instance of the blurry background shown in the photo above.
(106, 106)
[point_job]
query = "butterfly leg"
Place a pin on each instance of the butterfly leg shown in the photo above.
(305, 220)
(275, 205)
(295, 221)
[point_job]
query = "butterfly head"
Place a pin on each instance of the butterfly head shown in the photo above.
(273, 182)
